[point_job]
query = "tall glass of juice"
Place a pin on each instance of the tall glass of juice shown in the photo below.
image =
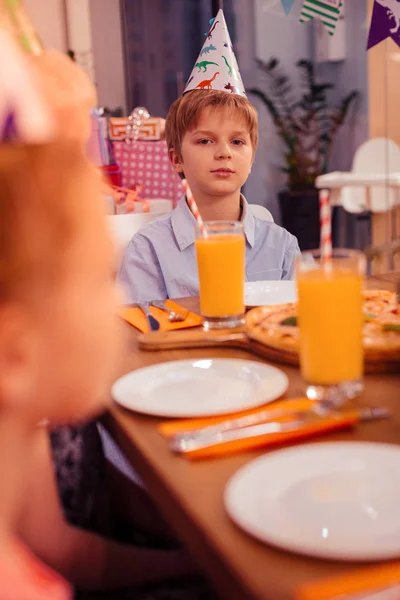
(330, 319)
(220, 250)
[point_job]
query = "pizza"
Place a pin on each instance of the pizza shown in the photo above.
(276, 326)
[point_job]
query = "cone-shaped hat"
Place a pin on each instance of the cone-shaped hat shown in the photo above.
(216, 67)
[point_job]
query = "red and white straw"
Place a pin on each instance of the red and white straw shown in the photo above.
(326, 227)
(192, 205)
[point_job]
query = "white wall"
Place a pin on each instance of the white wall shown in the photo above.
(108, 52)
(80, 35)
(48, 19)
(275, 35)
(265, 32)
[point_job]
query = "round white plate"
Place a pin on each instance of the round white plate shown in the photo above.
(264, 293)
(333, 500)
(203, 387)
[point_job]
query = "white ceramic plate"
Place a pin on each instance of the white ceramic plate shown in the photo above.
(264, 293)
(203, 387)
(333, 500)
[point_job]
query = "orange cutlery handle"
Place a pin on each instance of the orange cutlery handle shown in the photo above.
(317, 427)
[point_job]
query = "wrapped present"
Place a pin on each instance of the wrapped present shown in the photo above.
(147, 164)
(151, 129)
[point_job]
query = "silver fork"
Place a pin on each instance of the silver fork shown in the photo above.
(174, 317)
(152, 321)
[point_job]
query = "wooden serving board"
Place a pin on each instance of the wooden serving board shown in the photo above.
(242, 338)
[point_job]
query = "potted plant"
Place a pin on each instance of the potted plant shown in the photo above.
(307, 125)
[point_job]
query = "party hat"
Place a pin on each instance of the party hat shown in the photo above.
(24, 115)
(216, 67)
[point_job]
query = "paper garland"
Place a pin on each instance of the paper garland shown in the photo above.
(385, 22)
(326, 10)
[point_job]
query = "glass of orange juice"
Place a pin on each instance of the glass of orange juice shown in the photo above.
(330, 318)
(220, 250)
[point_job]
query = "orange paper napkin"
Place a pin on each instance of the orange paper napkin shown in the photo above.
(169, 428)
(136, 317)
(373, 582)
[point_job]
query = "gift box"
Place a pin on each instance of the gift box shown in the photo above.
(151, 129)
(148, 164)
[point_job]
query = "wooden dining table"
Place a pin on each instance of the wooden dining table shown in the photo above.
(190, 494)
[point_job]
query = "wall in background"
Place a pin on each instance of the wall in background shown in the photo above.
(275, 34)
(351, 74)
(48, 18)
(108, 53)
(283, 37)
(384, 99)
(97, 39)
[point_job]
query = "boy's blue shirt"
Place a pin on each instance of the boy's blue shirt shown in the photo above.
(160, 260)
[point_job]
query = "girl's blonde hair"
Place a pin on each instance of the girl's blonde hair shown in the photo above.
(39, 213)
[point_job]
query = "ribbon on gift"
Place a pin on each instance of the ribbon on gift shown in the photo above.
(129, 197)
(326, 10)
(385, 22)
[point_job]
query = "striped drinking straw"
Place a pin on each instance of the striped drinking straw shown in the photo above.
(325, 228)
(193, 207)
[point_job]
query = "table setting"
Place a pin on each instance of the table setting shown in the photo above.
(281, 395)
(180, 481)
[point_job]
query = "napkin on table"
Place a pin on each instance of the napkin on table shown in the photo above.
(319, 426)
(136, 317)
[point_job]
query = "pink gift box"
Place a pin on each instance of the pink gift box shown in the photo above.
(148, 164)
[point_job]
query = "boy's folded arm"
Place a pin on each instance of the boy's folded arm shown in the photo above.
(292, 251)
(140, 272)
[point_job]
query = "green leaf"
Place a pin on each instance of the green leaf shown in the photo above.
(290, 321)
(307, 124)
(392, 327)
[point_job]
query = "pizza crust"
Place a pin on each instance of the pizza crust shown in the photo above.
(381, 307)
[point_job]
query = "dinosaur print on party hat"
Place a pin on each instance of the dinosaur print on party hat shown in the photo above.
(219, 71)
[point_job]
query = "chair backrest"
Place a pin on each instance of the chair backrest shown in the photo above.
(261, 212)
(123, 227)
(377, 155)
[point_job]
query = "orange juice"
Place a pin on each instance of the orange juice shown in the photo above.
(221, 265)
(330, 319)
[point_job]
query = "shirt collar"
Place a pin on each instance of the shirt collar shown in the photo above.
(183, 224)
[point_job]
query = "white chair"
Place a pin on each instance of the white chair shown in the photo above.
(379, 157)
(261, 212)
(123, 227)
(157, 205)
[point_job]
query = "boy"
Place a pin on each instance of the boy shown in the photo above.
(212, 138)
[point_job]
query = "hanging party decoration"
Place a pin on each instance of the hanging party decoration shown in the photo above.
(326, 10)
(385, 22)
(287, 5)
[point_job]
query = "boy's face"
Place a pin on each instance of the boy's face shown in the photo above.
(217, 154)
(80, 331)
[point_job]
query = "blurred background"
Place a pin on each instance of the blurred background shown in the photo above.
(140, 53)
